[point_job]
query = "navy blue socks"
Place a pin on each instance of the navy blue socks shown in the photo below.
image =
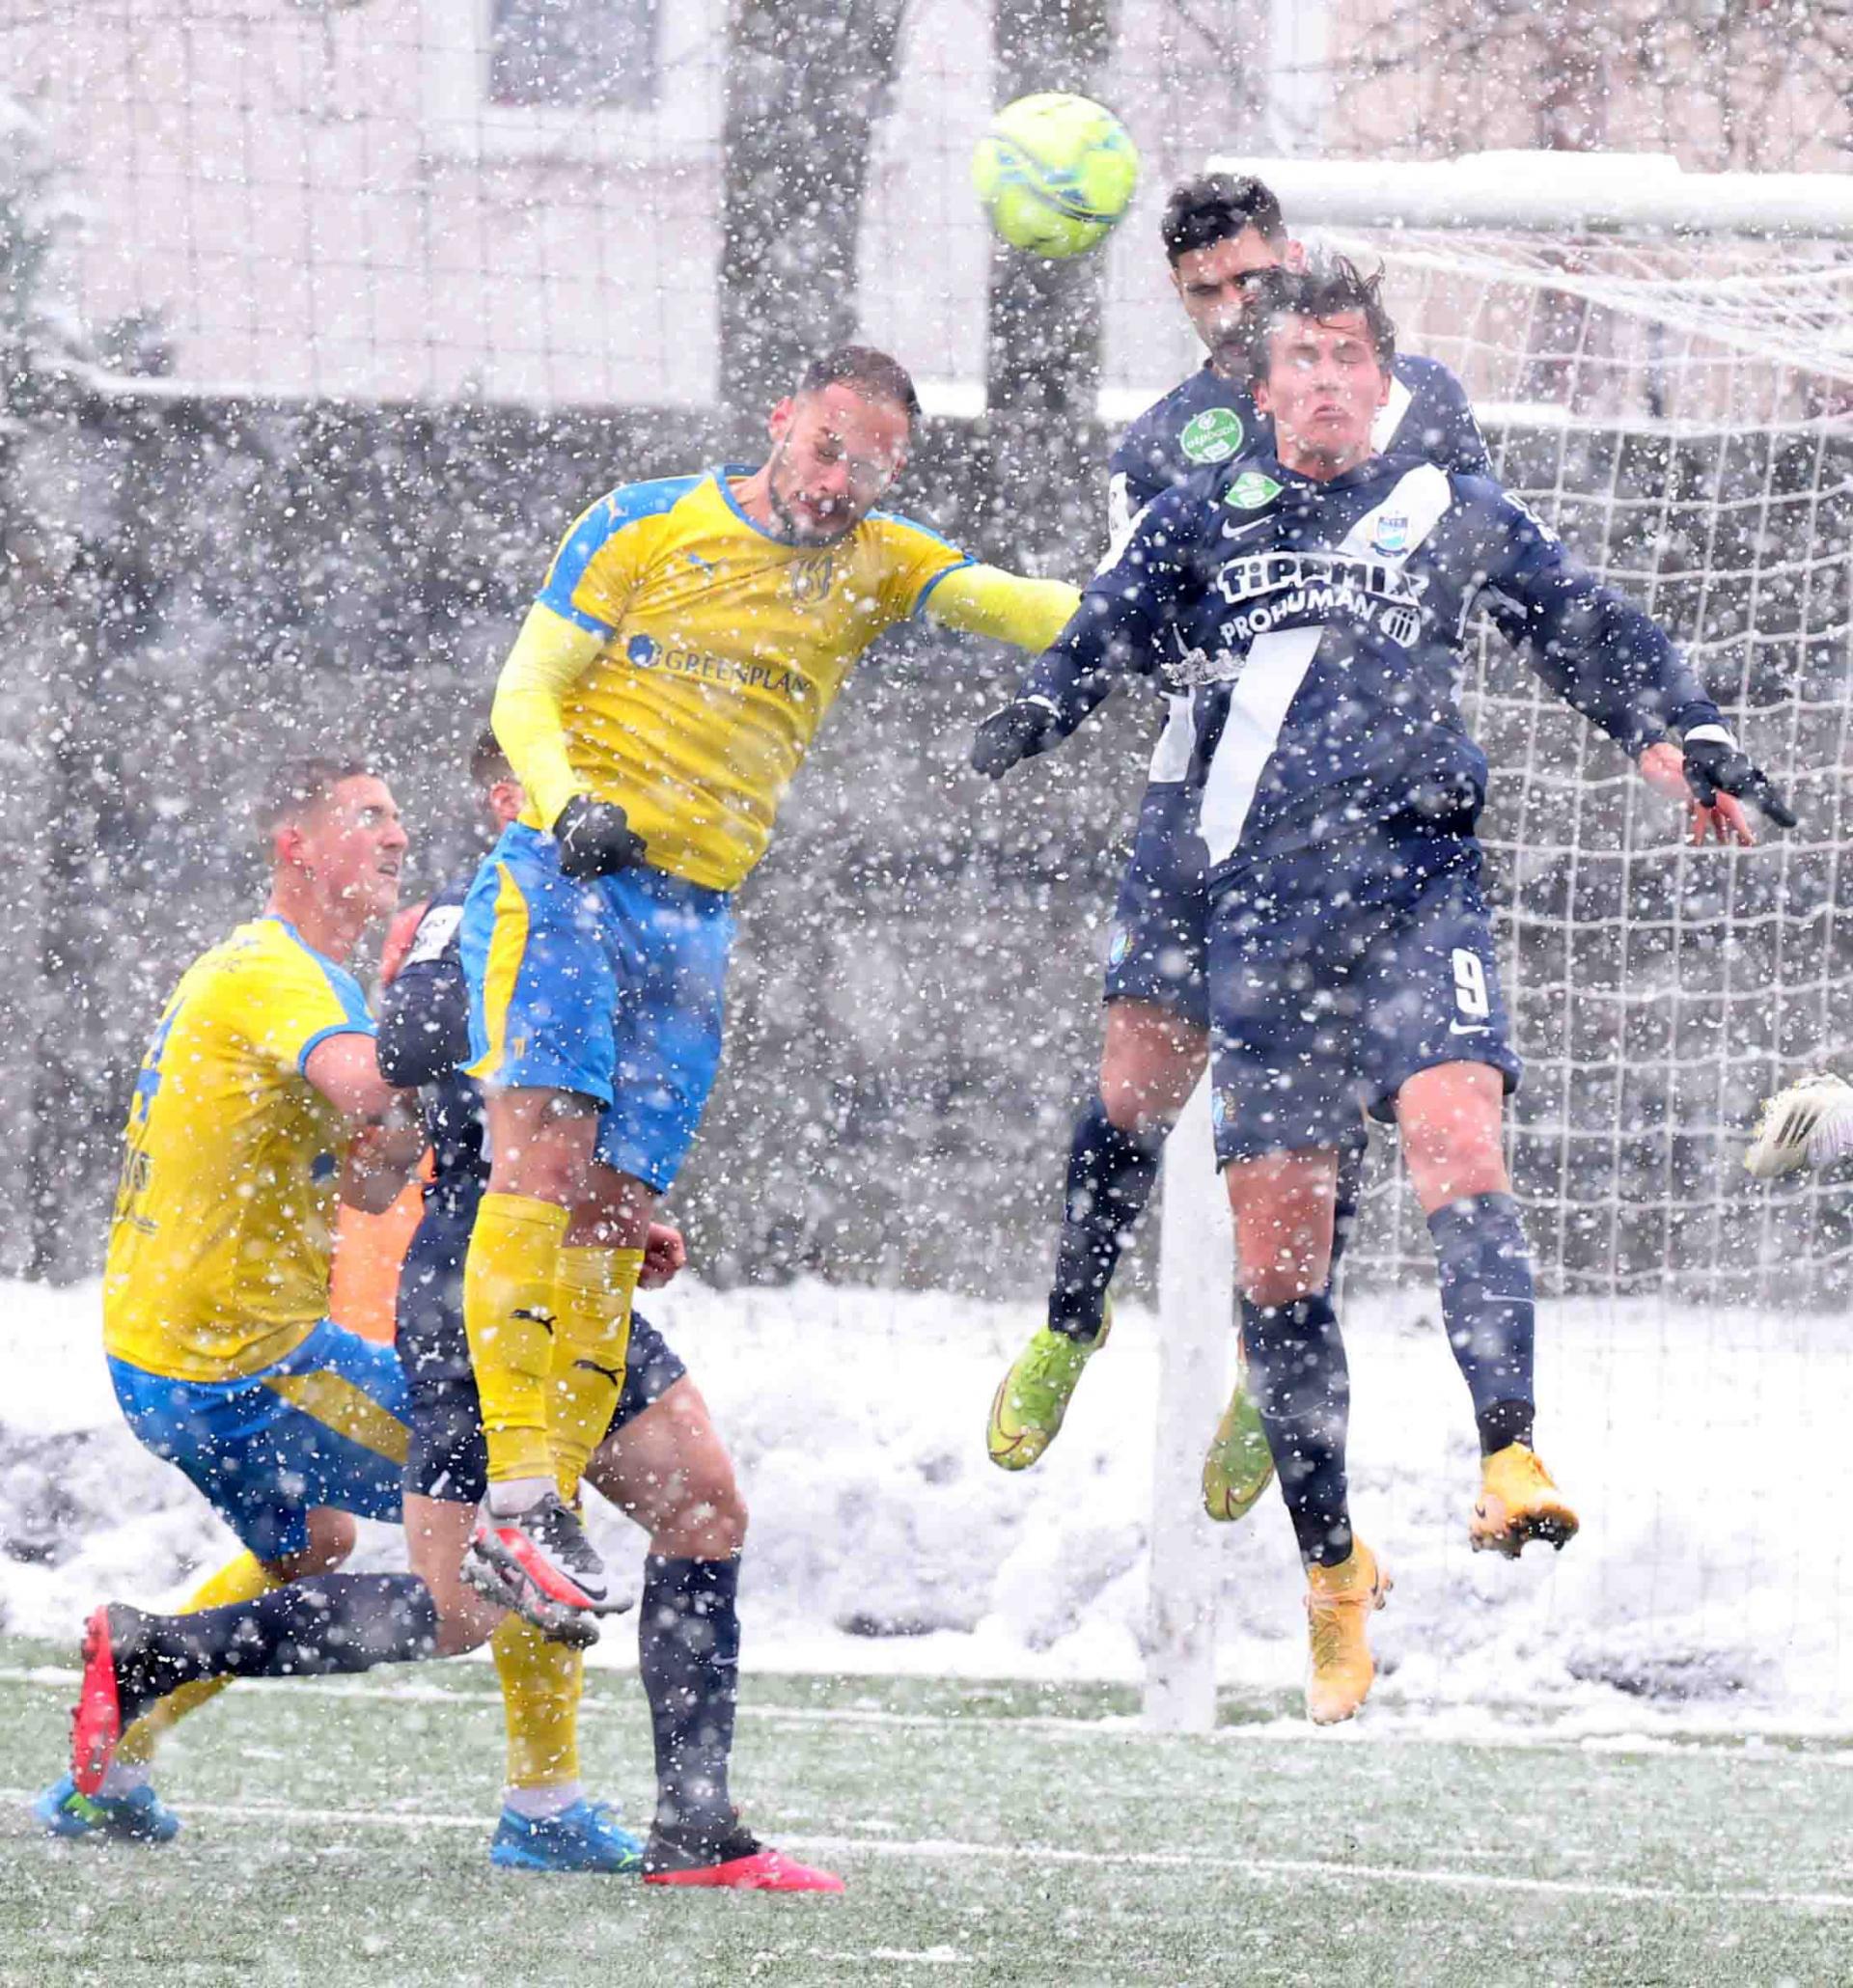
(1301, 1387)
(316, 1628)
(688, 1643)
(1486, 1306)
(1111, 1175)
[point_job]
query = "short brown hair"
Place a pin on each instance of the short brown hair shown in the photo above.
(297, 785)
(872, 374)
(488, 763)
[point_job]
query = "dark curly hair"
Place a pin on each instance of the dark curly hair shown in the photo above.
(1218, 206)
(1323, 290)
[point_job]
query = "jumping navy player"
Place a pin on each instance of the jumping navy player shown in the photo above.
(1222, 235)
(1311, 604)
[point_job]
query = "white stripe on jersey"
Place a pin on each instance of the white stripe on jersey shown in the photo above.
(1118, 506)
(1383, 431)
(1278, 662)
(1170, 756)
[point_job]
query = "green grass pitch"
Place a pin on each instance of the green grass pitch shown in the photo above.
(337, 1834)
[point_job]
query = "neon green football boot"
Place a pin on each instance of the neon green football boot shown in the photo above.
(1239, 1466)
(1033, 1397)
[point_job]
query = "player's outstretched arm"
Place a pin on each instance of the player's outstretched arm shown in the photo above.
(1007, 607)
(1610, 661)
(549, 656)
(1114, 631)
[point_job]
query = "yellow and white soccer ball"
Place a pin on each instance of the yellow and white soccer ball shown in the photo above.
(1054, 172)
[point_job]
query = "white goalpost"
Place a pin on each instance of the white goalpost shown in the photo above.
(1663, 364)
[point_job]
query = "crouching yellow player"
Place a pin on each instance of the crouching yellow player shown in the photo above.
(259, 1103)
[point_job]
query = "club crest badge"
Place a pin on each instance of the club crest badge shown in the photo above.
(1251, 490)
(810, 580)
(1391, 535)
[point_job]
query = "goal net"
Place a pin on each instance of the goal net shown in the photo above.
(1674, 395)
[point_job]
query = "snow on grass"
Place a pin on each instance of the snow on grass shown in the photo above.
(1711, 1585)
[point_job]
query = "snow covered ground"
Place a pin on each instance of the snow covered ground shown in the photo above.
(1712, 1584)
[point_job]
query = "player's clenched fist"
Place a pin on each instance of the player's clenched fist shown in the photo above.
(1717, 765)
(1017, 733)
(596, 839)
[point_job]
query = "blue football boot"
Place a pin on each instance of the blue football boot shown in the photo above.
(138, 1817)
(587, 1836)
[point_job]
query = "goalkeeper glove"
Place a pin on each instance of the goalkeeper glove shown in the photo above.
(1007, 737)
(1717, 765)
(596, 839)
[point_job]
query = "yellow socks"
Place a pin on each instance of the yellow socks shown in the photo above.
(541, 1685)
(243, 1579)
(593, 1293)
(508, 1314)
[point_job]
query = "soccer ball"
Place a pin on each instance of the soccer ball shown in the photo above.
(1054, 172)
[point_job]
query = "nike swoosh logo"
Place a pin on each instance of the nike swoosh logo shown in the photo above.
(1468, 1028)
(1254, 524)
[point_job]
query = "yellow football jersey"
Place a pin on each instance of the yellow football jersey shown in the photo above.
(723, 650)
(220, 1245)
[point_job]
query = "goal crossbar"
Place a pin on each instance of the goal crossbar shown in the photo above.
(1556, 192)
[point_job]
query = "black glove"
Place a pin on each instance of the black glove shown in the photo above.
(1017, 733)
(1717, 766)
(596, 839)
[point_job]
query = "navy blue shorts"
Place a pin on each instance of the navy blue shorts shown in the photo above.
(1337, 974)
(446, 1457)
(1161, 920)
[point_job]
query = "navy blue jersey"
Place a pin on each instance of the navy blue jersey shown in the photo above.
(1208, 420)
(424, 1035)
(1317, 628)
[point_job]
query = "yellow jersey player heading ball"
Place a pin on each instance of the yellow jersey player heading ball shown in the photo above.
(687, 640)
